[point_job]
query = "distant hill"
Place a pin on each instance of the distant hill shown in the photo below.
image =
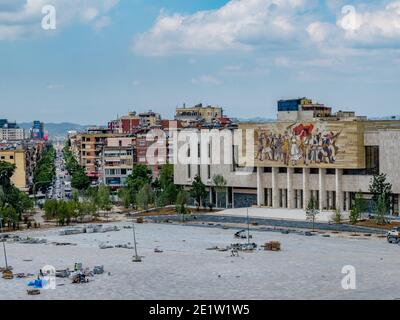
(57, 129)
(386, 118)
(255, 120)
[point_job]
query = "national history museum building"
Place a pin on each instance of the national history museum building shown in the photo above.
(308, 152)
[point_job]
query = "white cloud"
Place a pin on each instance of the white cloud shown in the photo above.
(55, 86)
(238, 25)
(318, 31)
(102, 23)
(22, 18)
(207, 80)
(369, 26)
(360, 27)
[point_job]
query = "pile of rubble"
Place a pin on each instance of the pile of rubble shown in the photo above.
(106, 245)
(98, 228)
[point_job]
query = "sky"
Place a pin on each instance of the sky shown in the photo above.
(107, 57)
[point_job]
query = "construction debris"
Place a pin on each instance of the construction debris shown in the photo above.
(63, 273)
(33, 292)
(272, 246)
(124, 246)
(88, 229)
(139, 220)
(79, 278)
(105, 246)
(98, 270)
(242, 235)
(8, 275)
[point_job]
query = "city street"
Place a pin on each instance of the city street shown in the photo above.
(61, 187)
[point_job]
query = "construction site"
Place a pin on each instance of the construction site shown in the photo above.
(170, 260)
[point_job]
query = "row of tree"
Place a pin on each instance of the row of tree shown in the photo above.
(13, 203)
(141, 190)
(45, 170)
(88, 205)
(79, 179)
(380, 205)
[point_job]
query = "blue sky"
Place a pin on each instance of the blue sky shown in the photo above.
(107, 57)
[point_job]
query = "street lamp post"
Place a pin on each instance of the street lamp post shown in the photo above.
(4, 243)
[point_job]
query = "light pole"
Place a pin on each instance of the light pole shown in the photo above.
(4, 243)
(136, 258)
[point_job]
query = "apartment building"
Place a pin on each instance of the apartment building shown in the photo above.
(318, 154)
(198, 114)
(16, 156)
(12, 134)
(89, 147)
(118, 159)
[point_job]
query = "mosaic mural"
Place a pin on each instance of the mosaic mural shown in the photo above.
(317, 144)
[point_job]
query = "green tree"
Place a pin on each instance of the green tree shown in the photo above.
(141, 175)
(45, 170)
(103, 198)
(379, 186)
(312, 211)
(144, 197)
(219, 183)
(125, 196)
(181, 201)
(50, 209)
(337, 217)
(359, 206)
(80, 180)
(6, 172)
(381, 209)
(198, 191)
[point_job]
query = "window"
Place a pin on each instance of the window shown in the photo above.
(209, 172)
(314, 171)
(267, 169)
(282, 170)
(330, 171)
(189, 171)
(298, 170)
(372, 159)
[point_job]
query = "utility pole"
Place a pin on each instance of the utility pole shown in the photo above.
(248, 227)
(136, 258)
(4, 243)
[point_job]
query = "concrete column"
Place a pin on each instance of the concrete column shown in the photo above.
(339, 191)
(290, 191)
(284, 197)
(260, 188)
(275, 190)
(269, 197)
(322, 189)
(306, 188)
(233, 199)
(348, 201)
